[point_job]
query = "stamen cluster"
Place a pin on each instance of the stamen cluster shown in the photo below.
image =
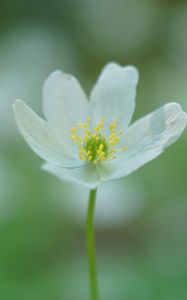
(93, 145)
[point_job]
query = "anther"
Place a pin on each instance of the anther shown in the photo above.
(113, 126)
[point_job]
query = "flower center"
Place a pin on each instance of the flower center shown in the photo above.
(93, 145)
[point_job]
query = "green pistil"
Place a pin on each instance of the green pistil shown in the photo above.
(93, 144)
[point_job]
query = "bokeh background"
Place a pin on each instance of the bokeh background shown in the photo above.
(141, 220)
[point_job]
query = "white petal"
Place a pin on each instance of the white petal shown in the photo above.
(64, 102)
(85, 175)
(113, 96)
(146, 139)
(41, 137)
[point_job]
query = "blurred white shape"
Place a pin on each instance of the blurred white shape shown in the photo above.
(27, 55)
(117, 203)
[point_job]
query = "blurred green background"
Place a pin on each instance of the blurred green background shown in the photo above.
(141, 220)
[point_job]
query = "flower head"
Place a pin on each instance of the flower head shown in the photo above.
(87, 142)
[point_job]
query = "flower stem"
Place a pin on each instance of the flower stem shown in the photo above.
(91, 245)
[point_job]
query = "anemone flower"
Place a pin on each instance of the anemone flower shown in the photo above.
(88, 142)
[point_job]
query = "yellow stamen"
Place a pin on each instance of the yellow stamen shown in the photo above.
(89, 119)
(73, 130)
(113, 139)
(99, 125)
(82, 125)
(75, 138)
(87, 135)
(113, 126)
(93, 146)
(82, 154)
(124, 148)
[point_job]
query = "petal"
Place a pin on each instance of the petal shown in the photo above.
(146, 139)
(113, 96)
(64, 102)
(85, 175)
(41, 137)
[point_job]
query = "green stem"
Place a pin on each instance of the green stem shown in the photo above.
(91, 245)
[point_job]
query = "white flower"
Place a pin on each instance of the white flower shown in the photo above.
(87, 142)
